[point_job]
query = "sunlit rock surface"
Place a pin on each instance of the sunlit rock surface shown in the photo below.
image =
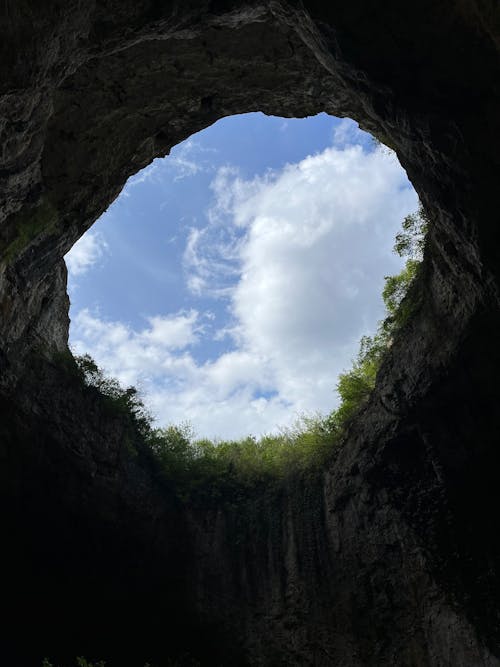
(390, 557)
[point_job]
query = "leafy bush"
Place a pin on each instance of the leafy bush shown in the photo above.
(410, 242)
(209, 467)
(119, 400)
(356, 385)
(192, 465)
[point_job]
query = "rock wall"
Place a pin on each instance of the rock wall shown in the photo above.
(391, 556)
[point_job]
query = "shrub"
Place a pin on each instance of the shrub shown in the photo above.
(355, 386)
(126, 401)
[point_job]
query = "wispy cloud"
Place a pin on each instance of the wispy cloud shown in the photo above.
(221, 397)
(211, 261)
(86, 253)
(187, 159)
(346, 133)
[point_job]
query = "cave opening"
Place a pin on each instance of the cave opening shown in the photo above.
(232, 280)
(393, 553)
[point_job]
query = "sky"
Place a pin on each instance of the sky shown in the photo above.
(232, 280)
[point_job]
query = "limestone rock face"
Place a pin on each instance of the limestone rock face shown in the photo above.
(392, 556)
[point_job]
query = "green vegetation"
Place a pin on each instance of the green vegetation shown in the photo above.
(28, 225)
(401, 298)
(196, 467)
(206, 468)
(120, 401)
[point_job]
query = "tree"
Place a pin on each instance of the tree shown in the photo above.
(355, 386)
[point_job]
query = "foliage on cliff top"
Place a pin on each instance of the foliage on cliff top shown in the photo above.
(202, 466)
(400, 300)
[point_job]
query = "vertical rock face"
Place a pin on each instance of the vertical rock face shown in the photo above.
(390, 557)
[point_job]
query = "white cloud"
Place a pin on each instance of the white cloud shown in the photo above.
(346, 133)
(300, 256)
(186, 159)
(85, 253)
(175, 332)
(147, 175)
(137, 356)
(211, 259)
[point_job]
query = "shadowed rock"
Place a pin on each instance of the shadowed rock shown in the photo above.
(389, 557)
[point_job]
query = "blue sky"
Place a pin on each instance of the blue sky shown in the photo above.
(231, 281)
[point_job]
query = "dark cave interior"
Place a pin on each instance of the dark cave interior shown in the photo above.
(389, 557)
